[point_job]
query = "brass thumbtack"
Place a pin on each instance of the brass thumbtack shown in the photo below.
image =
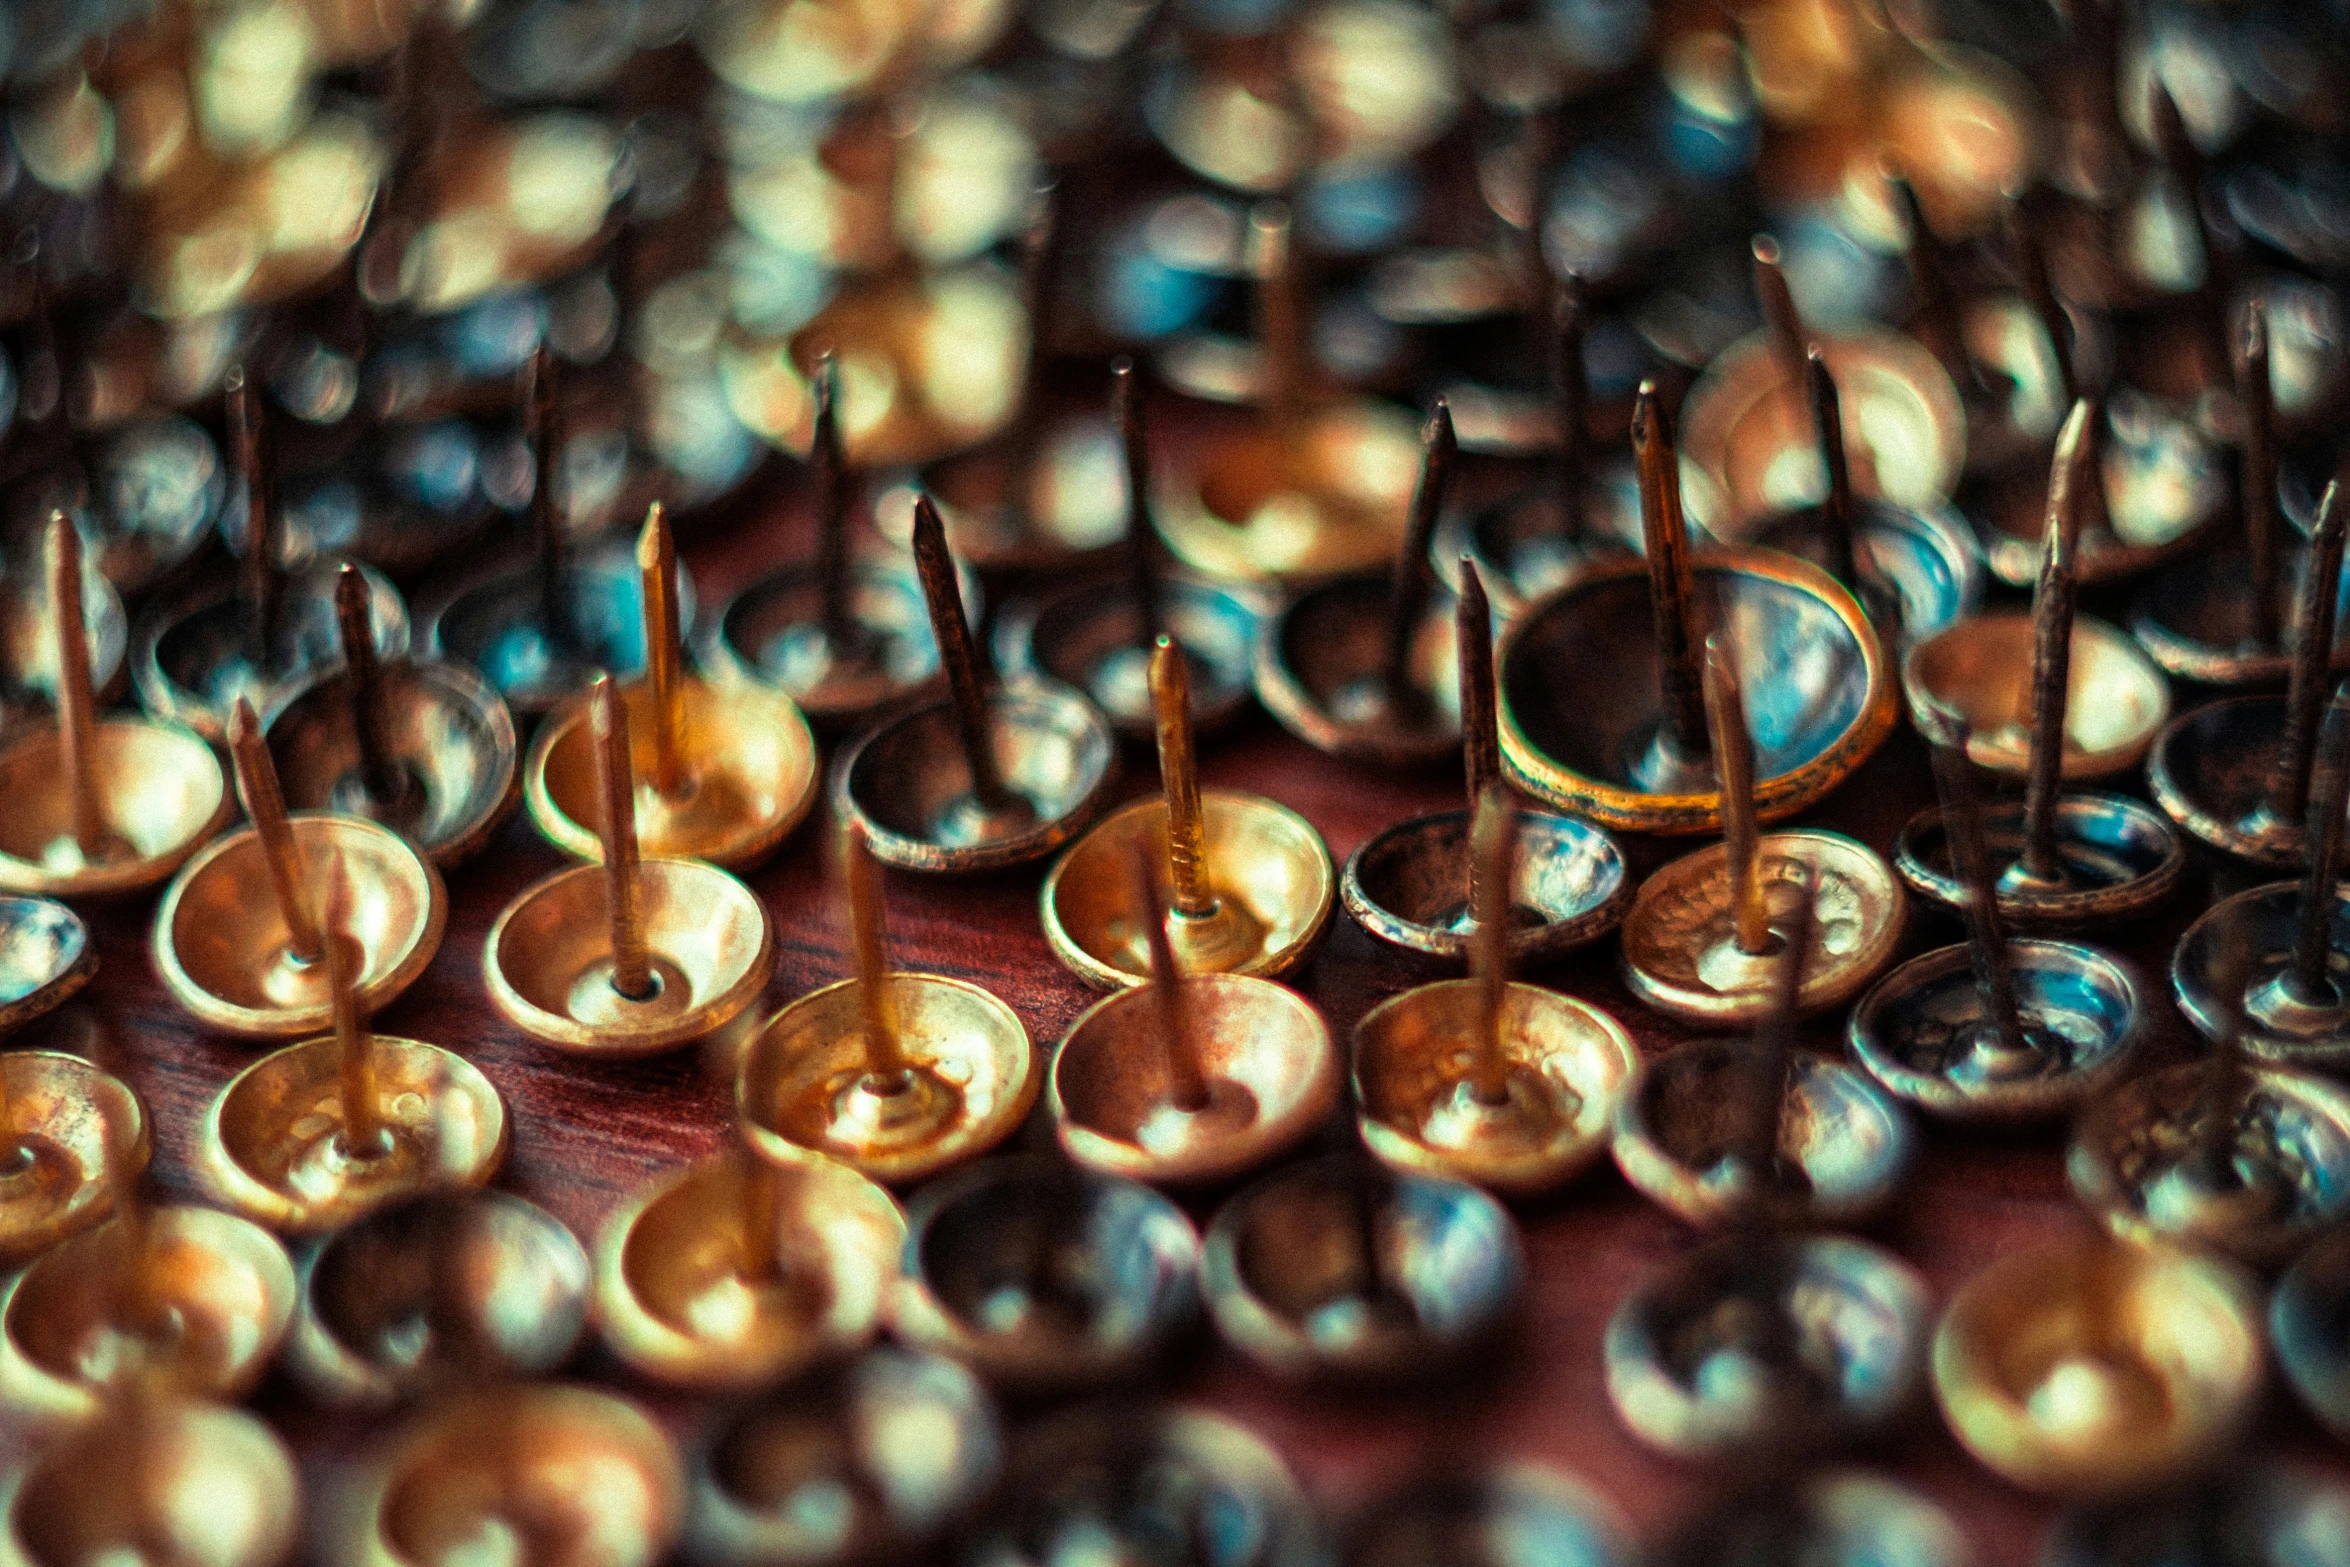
(422, 746)
(626, 956)
(737, 1272)
(986, 779)
(317, 1134)
(99, 806)
(728, 770)
(28, 636)
(1356, 666)
(2236, 772)
(420, 1295)
(1329, 1268)
(1749, 428)
(46, 957)
(155, 1478)
(540, 631)
(194, 656)
(1191, 1076)
(1720, 1132)
(844, 637)
(2082, 859)
(1915, 569)
(1704, 934)
(2087, 1366)
(235, 938)
(2304, 1317)
(1994, 1029)
(1098, 636)
(1249, 882)
(1836, 1517)
(190, 1299)
(1511, 1087)
(834, 1433)
(895, 1075)
(2291, 999)
(1757, 1338)
(2113, 696)
(1640, 762)
(1412, 884)
(1044, 1277)
(1312, 488)
(544, 1465)
(67, 1132)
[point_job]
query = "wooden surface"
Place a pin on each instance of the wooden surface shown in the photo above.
(584, 1134)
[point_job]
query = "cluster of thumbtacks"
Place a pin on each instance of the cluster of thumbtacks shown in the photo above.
(1751, 666)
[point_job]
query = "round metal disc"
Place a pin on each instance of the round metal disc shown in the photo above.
(2120, 861)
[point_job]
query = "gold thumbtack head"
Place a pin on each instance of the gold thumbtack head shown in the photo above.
(1641, 764)
(2074, 861)
(579, 1469)
(1249, 882)
(422, 746)
(1994, 1029)
(67, 1130)
(2114, 697)
(1190, 1076)
(627, 956)
(738, 1271)
(1099, 638)
(2304, 1313)
(1749, 426)
(99, 807)
(28, 637)
(726, 771)
(2290, 999)
(1704, 934)
(1735, 1131)
(155, 1478)
(1356, 666)
(895, 1075)
(46, 957)
(190, 1299)
(420, 1295)
(2084, 1366)
(1045, 1277)
(235, 937)
(1758, 1339)
(2236, 773)
(539, 632)
(835, 1428)
(1328, 1268)
(317, 1134)
(989, 778)
(1509, 1086)
(1413, 884)
(195, 656)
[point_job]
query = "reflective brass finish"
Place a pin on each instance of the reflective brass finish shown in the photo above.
(66, 1130)
(28, 639)
(765, 1488)
(2084, 1366)
(1550, 1515)
(496, 625)
(224, 949)
(1326, 495)
(1317, 665)
(2163, 489)
(1050, 518)
(1831, 1517)
(2282, 1020)
(737, 1272)
(1089, 638)
(2304, 1313)
(2139, 1163)
(155, 1480)
(1981, 669)
(578, 1468)
(1043, 1277)
(1526, 546)
(1926, 1034)
(772, 632)
(46, 957)
(1267, 1078)
(1567, 1065)
(1339, 1267)
(1757, 1339)
(2215, 771)
(2120, 861)
(1408, 885)
(424, 1294)
(192, 1299)
(1844, 1148)
(1920, 570)
(1681, 954)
